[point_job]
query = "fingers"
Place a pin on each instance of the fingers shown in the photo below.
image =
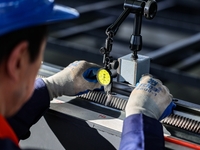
(152, 85)
(83, 64)
(148, 78)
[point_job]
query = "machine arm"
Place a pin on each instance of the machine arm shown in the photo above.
(148, 8)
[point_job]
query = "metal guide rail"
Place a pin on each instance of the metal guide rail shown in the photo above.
(183, 124)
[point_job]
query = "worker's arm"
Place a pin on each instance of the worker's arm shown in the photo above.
(141, 132)
(32, 111)
(148, 103)
(79, 77)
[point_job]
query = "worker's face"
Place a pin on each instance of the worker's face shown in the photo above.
(25, 85)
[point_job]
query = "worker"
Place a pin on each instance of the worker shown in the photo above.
(24, 99)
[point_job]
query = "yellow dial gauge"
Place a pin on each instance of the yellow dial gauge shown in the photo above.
(103, 77)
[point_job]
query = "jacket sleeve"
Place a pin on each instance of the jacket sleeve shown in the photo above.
(7, 144)
(32, 111)
(141, 133)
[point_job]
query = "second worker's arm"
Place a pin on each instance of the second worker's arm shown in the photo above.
(148, 103)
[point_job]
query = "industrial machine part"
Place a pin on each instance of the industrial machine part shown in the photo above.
(147, 8)
(130, 70)
(103, 77)
(91, 121)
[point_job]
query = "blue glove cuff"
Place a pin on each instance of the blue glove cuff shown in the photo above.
(168, 110)
(90, 74)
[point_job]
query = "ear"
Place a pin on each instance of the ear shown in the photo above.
(16, 59)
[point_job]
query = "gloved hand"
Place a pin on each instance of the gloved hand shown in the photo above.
(151, 98)
(77, 78)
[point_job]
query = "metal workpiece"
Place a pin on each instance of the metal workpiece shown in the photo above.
(117, 99)
(109, 100)
(122, 88)
(183, 127)
(183, 123)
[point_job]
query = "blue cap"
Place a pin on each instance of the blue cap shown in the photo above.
(18, 14)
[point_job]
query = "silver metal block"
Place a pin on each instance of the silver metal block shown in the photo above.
(131, 70)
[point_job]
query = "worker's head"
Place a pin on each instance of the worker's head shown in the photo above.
(22, 42)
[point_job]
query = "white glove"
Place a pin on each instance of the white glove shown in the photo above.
(151, 98)
(77, 78)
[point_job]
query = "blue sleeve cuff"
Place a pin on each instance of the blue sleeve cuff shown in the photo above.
(168, 110)
(141, 132)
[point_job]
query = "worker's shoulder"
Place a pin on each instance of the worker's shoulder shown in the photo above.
(6, 143)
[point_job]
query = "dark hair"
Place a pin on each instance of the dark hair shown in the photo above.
(34, 36)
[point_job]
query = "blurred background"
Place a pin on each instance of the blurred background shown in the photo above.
(171, 40)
